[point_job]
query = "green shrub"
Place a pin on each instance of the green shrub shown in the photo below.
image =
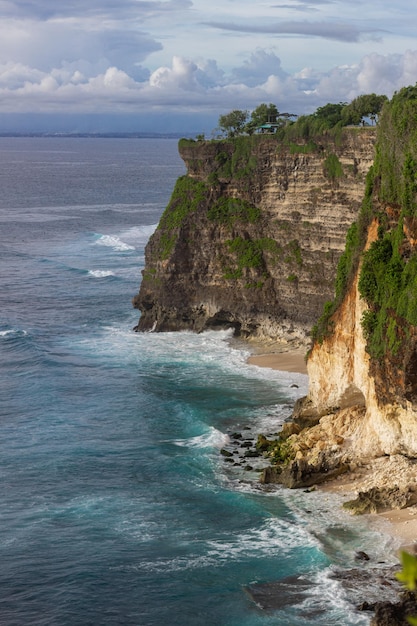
(230, 210)
(186, 197)
(332, 167)
(305, 148)
(294, 253)
(249, 254)
(324, 325)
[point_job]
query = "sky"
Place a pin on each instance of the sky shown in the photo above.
(177, 65)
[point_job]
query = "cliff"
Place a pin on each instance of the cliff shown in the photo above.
(361, 407)
(253, 233)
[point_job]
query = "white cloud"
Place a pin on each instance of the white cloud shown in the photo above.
(99, 56)
(182, 75)
(187, 85)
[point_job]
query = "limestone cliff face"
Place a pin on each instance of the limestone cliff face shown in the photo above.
(253, 233)
(375, 398)
(362, 400)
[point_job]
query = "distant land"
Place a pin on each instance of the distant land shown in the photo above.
(110, 135)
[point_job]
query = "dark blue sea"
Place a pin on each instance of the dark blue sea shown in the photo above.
(116, 506)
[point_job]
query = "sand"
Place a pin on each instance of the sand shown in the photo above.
(403, 526)
(291, 361)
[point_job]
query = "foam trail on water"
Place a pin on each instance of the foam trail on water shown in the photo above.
(113, 241)
(13, 332)
(100, 273)
(212, 439)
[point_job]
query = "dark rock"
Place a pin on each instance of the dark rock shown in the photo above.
(236, 436)
(248, 468)
(246, 444)
(366, 606)
(263, 444)
(226, 453)
(395, 614)
(299, 473)
(361, 556)
(277, 595)
(369, 585)
(252, 454)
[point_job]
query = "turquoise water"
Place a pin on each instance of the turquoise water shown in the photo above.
(116, 506)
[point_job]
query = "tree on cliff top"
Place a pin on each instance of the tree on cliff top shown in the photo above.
(263, 114)
(233, 123)
(369, 105)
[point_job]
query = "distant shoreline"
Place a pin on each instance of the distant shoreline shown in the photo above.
(138, 135)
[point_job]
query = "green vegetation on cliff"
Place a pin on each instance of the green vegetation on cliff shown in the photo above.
(229, 210)
(249, 254)
(388, 276)
(186, 198)
(388, 279)
(330, 117)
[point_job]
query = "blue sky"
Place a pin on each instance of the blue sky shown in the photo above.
(176, 65)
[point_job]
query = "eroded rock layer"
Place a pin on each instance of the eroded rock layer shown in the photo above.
(362, 399)
(253, 233)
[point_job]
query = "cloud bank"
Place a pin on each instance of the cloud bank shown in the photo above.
(148, 57)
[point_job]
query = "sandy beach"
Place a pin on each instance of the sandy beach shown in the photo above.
(290, 361)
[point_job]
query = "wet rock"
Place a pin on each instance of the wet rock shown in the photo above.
(252, 454)
(364, 587)
(276, 595)
(360, 555)
(226, 453)
(269, 475)
(378, 499)
(395, 614)
(263, 444)
(299, 473)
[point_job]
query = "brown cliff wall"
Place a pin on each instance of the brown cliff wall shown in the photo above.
(252, 235)
(362, 399)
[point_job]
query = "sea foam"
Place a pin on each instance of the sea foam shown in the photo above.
(115, 242)
(100, 273)
(212, 439)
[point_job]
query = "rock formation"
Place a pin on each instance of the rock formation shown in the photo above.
(362, 399)
(253, 233)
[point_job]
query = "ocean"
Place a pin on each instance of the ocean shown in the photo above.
(116, 504)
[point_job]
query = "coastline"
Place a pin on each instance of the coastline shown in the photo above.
(399, 524)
